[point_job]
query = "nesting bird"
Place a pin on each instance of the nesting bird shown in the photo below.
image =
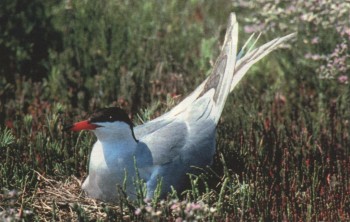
(171, 146)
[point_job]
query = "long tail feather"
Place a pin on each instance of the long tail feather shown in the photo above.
(252, 57)
(219, 81)
(237, 68)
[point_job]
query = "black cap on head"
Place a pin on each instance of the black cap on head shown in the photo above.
(110, 114)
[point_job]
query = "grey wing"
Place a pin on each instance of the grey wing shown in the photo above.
(171, 151)
(163, 140)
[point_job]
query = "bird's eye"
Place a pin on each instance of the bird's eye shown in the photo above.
(110, 117)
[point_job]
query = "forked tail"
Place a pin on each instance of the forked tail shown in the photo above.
(227, 71)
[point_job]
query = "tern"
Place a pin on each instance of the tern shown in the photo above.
(170, 146)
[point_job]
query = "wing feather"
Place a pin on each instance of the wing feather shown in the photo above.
(166, 143)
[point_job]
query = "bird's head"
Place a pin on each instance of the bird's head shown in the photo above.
(110, 123)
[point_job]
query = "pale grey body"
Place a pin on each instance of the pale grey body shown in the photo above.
(169, 146)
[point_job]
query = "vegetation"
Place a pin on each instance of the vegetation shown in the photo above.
(283, 140)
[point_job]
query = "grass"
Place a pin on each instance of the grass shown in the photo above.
(282, 142)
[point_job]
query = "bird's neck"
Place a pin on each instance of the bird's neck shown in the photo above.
(111, 148)
(116, 134)
(116, 138)
(113, 153)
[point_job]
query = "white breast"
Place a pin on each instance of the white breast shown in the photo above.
(109, 163)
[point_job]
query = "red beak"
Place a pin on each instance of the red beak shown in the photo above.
(83, 125)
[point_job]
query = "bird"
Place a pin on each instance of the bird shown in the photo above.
(168, 148)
